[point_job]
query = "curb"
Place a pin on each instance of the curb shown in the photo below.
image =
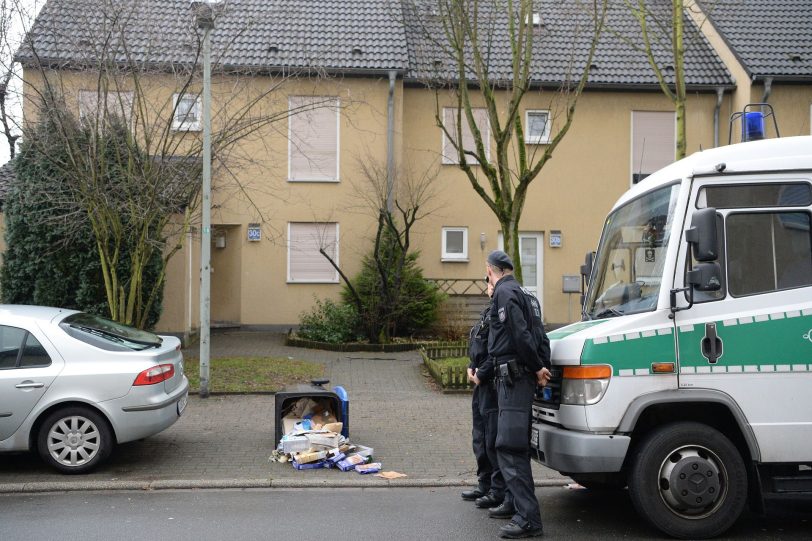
(187, 484)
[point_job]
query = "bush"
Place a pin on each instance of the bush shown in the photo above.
(55, 262)
(330, 322)
(413, 309)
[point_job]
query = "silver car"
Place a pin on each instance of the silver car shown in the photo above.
(72, 385)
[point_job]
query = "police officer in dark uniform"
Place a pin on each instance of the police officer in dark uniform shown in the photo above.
(491, 486)
(521, 353)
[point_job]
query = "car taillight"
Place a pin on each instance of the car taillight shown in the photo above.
(154, 375)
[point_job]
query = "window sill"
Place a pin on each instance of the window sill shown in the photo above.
(294, 282)
(184, 128)
(454, 260)
(311, 180)
(537, 141)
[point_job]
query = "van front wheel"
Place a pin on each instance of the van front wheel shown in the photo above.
(688, 480)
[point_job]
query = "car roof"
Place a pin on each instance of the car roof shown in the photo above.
(780, 154)
(10, 312)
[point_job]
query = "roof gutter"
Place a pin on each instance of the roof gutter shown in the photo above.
(390, 143)
(768, 89)
(720, 93)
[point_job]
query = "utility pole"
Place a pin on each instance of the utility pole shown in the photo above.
(204, 12)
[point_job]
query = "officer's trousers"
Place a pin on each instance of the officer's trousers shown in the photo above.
(513, 447)
(489, 410)
(484, 464)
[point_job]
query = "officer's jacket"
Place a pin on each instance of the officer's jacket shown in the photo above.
(517, 329)
(478, 347)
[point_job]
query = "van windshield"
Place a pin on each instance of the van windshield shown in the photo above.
(631, 256)
(94, 329)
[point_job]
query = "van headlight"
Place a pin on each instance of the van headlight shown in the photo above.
(584, 385)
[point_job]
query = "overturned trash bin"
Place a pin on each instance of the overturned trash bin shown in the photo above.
(311, 403)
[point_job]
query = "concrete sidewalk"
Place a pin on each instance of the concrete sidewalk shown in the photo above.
(225, 441)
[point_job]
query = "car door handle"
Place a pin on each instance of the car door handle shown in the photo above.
(29, 385)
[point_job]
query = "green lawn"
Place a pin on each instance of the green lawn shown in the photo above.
(251, 374)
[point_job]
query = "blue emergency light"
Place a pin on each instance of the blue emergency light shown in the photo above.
(753, 121)
(753, 126)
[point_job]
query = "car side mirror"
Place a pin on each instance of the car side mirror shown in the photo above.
(705, 277)
(702, 235)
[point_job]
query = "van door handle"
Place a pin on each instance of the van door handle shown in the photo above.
(711, 344)
(29, 385)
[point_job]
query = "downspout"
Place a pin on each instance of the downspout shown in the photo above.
(720, 93)
(390, 144)
(768, 88)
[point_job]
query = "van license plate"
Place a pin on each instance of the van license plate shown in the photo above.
(182, 403)
(534, 439)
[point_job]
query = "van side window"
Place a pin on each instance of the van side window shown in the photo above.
(790, 194)
(768, 251)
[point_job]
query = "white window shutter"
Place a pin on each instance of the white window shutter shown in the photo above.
(313, 138)
(653, 141)
(450, 153)
(306, 263)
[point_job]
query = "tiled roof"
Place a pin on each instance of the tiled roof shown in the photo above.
(332, 35)
(771, 38)
(354, 35)
(566, 28)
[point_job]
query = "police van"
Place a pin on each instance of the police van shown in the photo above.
(689, 378)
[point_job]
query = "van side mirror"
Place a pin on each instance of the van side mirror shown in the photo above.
(586, 272)
(705, 277)
(702, 235)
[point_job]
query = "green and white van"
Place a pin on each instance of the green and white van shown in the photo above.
(689, 379)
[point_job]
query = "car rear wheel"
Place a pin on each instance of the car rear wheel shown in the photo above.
(74, 439)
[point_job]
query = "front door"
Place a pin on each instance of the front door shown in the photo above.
(751, 339)
(530, 255)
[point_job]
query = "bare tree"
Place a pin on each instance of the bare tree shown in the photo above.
(490, 46)
(665, 31)
(133, 145)
(413, 197)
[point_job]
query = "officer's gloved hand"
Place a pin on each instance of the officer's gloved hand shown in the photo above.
(543, 377)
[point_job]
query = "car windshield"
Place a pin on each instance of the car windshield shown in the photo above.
(631, 256)
(111, 331)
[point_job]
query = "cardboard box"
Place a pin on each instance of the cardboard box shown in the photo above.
(304, 458)
(323, 439)
(295, 444)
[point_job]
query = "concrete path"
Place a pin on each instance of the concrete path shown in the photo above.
(226, 440)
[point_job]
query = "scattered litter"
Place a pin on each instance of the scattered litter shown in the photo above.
(390, 475)
(574, 486)
(312, 439)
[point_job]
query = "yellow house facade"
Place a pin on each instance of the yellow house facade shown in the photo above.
(301, 183)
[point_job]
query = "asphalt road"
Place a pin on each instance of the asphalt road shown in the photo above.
(352, 514)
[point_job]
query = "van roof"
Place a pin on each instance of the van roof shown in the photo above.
(780, 154)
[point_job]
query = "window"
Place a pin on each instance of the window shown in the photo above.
(188, 113)
(455, 244)
(313, 139)
(768, 251)
(305, 262)
(795, 194)
(11, 356)
(119, 104)
(537, 127)
(450, 152)
(107, 334)
(654, 142)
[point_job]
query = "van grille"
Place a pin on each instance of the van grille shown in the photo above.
(550, 396)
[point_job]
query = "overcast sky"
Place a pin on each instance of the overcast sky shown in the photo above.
(16, 32)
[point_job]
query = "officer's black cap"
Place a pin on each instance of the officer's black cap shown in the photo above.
(500, 260)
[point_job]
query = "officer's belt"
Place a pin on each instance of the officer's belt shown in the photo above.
(505, 358)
